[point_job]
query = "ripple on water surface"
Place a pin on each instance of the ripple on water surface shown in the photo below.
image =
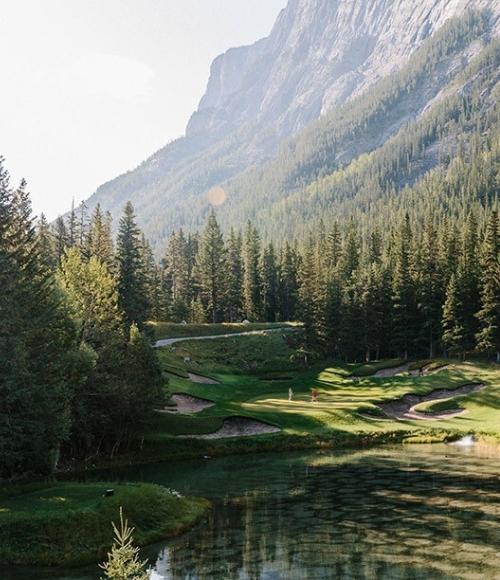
(407, 512)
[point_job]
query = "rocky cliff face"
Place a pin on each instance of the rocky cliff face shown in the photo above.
(320, 54)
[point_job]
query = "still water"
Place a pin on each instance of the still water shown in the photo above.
(402, 512)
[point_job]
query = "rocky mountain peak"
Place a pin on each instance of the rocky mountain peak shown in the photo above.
(319, 54)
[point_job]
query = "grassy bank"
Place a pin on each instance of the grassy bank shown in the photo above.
(173, 330)
(70, 523)
(256, 372)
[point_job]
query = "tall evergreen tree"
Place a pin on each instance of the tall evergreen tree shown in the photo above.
(251, 277)
(270, 277)
(488, 336)
(234, 299)
(212, 268)
(46, 243)
(61, 241)
(99, 242)
(453, 330)
(37, 346)
(131, 283)
(403, 293)
(288, 283)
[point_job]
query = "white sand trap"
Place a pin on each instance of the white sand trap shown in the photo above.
(238, 427)
(202, 380)
(404, 408)
(187, 404)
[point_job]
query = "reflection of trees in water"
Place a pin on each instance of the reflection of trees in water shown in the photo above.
(374, 518)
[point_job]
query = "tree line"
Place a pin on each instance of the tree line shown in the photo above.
(423, 286)
(78, 377)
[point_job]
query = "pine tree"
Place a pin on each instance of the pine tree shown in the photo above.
(488, 336)
(123, 560)
(99, 242)
(251, 277)
(430, 288)
(308, 292)
(61, 241)
(453, 330)
(178, 276)
(334, 247)
(37, 346)
(468, 274)
(350, 252)
(72, 227)
(234, 299)
(46, 244)
(131, 283)
(269, 276)
(288, 284)
(403, 293)
(212, 268)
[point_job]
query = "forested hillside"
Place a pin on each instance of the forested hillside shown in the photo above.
(321, 175)
(377, 226)
(333, 82)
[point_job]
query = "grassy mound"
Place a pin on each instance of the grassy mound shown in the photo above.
(70, 523)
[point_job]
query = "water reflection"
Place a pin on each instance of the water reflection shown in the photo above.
(423, 512)
(419, 512)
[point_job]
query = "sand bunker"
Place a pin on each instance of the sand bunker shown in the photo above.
(203, 380)
(404, 408)
(238, 427)
(186, 404)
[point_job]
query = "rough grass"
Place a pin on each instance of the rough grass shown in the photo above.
(346, 411)
(70, 523)
(164, 330)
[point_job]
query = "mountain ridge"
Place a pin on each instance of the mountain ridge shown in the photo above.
(259, 96)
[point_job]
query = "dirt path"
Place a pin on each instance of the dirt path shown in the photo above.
(238, 427)
(186, 404)
(404, 408)
(169, 341)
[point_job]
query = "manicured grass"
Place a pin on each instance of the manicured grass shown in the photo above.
(368, 369)
(70, 523)
(347, 407)
(259, 354)
(172, 330)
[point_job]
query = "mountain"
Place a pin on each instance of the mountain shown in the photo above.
(295, 107)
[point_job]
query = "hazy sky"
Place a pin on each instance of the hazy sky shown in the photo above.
(90, 88)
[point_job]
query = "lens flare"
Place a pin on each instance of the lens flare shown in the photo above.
(216, 195)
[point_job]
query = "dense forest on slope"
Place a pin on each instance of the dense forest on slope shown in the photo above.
(315, 67)
(367, 121)
(461, 121)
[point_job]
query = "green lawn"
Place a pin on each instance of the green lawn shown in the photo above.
(70, 523)
(246, 367)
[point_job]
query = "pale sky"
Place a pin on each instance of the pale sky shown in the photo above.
(90, 88)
